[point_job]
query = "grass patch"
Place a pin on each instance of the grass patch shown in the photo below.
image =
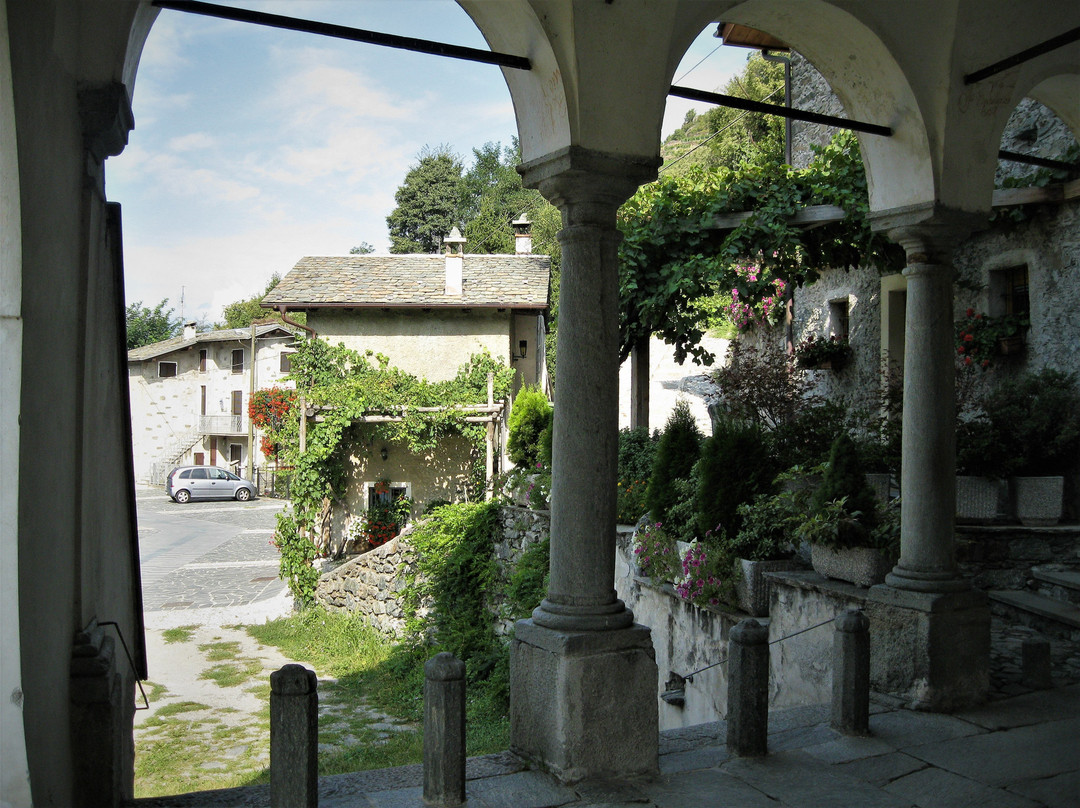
(178, 634)
(371, 670)
(166, 710)
(218, 651)
(232, 674)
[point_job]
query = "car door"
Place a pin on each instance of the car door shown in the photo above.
(221, 487)
(199, 484)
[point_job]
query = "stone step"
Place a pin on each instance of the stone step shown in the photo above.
(1051, 617)
(1063, 585)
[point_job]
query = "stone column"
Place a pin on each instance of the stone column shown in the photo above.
(583, 675)
(931, 630)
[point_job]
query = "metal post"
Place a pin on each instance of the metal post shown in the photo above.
(851, 674)
(444, 731)
(294, 736)
(748, 690)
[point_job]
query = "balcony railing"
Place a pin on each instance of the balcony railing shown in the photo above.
(223, 424)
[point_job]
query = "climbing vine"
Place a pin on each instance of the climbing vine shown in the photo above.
(673, 254)
(344, 385)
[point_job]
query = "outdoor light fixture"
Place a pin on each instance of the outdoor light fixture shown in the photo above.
(523, 347)
(383, 453)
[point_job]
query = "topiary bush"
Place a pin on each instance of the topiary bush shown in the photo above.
(676, 453)
(844, 479)
(736, 466)
(529, 417)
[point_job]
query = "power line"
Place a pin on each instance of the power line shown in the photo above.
(714, 134)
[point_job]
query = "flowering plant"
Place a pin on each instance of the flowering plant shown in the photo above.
(814, 351)
(755, 300)
(630, 502)
(385, 516)
(655, 553)
(978, 336)
(706, 575)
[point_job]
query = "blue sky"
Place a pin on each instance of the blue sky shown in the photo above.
(254, 147)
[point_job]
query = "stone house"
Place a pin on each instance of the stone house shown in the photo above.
(428, 314)
(189, 397)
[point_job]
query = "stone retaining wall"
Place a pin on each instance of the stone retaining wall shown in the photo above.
(370, 584)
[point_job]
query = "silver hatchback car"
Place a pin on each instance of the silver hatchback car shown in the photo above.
(186, 483)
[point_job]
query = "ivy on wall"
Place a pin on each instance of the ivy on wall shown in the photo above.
(673, 254)
(345, 386)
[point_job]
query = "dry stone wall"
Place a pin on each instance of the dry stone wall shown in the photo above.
(371, 584)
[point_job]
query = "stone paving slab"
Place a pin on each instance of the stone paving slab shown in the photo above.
(880, 769)
(527, 789)
(1030, 708)
(1011, 755)
(934, 788)
(902, 729)
(796, 779)
(705, 788)
(846, 748)
(1061, 791)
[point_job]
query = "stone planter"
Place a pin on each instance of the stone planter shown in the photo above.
(752, 587)
(881, 485)
(1038, 500)
(978, 499)
(862, 566)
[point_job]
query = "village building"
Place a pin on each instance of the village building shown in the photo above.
(190, 395)
(427, 314)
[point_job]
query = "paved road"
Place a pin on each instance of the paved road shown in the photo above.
(206, 555)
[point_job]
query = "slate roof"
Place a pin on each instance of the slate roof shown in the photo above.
(397, 281)
(156, 349)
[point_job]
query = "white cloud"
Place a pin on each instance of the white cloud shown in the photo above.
(191, 142)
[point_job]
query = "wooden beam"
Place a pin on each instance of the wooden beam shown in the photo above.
(810, 217)
(1032, 195)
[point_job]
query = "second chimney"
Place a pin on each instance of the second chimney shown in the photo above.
(455, 262)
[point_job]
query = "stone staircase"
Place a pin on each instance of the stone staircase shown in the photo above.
(1050, 606)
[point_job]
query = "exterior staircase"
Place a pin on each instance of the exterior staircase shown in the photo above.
(172, 455)
(1051, 606)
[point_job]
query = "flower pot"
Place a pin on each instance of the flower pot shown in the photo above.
(978, 499)
(1011, 346)
(1038, 500)
(862, 566)
(751, 585)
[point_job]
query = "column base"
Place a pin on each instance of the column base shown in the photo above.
(931, 648)
(583, 704)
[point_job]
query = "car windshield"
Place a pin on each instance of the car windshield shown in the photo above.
(232, 476)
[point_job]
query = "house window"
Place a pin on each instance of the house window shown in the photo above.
(238, 360)
(1009, 291)
(237, 402)
(202, 360)
(839, 317)
(166, 370)
(286, 362)
(380, 494)
(202, 404)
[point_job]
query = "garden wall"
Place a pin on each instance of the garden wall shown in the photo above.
(370, 584)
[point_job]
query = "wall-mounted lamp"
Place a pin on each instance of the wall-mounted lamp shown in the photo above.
(523, 348)
(383, 453)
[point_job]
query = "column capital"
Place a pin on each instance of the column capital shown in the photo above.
(928, 232)
(105, 110)
(587, 185)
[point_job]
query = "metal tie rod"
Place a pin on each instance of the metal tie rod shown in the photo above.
(1023, 56)
(776, 109)
(345, 32)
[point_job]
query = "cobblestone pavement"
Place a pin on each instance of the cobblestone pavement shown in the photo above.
(206, 554)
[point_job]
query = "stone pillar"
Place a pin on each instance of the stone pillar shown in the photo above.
(931, 630)
(583, 675)
(851, 674)
(444, 730)
(639, 384)
(294, 737)
(748, 689)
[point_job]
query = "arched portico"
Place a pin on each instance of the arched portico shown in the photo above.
(589, 116)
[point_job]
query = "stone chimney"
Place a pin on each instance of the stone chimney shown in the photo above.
(189, 330)
(454, 245)
(522, 236)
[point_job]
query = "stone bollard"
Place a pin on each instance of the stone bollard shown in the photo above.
(1035, 664)
(294, 736)
(444, 731)
(851, 674)
(748, 689)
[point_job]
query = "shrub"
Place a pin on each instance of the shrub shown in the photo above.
(769, 525)
(806, 438)
(762, 386)
(676, 454)
(637, 451)
(630, 501)
(845, 481)
(529, 580)
(529, 416)
(735, 467)
(1036, 419)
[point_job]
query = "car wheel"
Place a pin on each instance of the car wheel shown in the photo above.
(243, 494)
(182, 496)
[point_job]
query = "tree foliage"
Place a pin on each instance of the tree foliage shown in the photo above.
(146, 326)
(241, 313)
(673, 254)
(529, 417)
(428, 203)
(676, 453)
